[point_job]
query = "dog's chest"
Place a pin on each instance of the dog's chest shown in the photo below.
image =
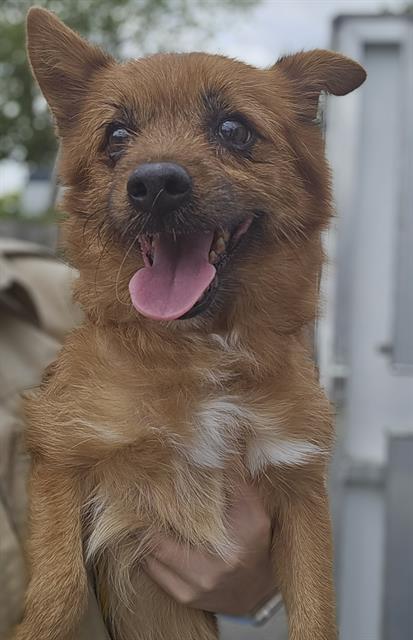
(239, 418)
(228, 427)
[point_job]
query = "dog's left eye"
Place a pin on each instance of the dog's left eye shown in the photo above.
(235, 133)
(117, 137)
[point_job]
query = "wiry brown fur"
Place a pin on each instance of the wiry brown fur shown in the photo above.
(113, 427)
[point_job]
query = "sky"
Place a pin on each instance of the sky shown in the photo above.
(260, 36)
(276, 27)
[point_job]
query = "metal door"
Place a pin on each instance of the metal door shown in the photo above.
(366, 336)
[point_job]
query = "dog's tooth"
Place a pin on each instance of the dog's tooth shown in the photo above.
(226, 235)
(220, 245)
(212, 257)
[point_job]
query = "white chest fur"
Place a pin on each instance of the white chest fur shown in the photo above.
(223, 423)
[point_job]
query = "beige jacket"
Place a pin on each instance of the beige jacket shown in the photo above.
(35, 313)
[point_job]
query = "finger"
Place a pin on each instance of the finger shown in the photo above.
(247, 518)
(193, 566)
(169, 581)
(241, 496)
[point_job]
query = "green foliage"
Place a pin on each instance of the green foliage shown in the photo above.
(10, 209)
(9, 205)
(137, 26)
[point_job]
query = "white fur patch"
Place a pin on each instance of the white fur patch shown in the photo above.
(227, 341)
(279, 453)
(220, 423)
(232, 344)
(217, 423)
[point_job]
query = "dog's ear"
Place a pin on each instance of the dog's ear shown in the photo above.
(62, 63)
(319, 70)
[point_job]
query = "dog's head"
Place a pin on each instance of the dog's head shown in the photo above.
(196, 185)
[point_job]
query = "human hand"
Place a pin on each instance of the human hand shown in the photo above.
(205, 581)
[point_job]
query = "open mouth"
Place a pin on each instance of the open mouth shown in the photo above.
(181, 271)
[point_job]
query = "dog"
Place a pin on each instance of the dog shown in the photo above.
(196, 189)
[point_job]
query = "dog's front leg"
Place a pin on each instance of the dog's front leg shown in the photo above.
(303, 561)
(57, 592)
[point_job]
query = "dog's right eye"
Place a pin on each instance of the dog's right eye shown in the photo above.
(235, 134)
(117, 137)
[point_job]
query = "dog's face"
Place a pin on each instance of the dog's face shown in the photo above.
(196, 185)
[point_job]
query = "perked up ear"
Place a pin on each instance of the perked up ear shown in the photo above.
(320, 70)
(62, 63)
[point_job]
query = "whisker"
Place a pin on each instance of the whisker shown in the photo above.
(120, 271)
(104, 247)
(88, 218)
(156, 198)
(107, 225)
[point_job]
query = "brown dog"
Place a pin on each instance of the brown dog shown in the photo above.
(197, 189)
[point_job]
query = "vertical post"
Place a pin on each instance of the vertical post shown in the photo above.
(398, 604)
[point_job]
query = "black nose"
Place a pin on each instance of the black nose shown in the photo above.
(159, 186)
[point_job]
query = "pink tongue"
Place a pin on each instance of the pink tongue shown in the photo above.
(178, 277)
